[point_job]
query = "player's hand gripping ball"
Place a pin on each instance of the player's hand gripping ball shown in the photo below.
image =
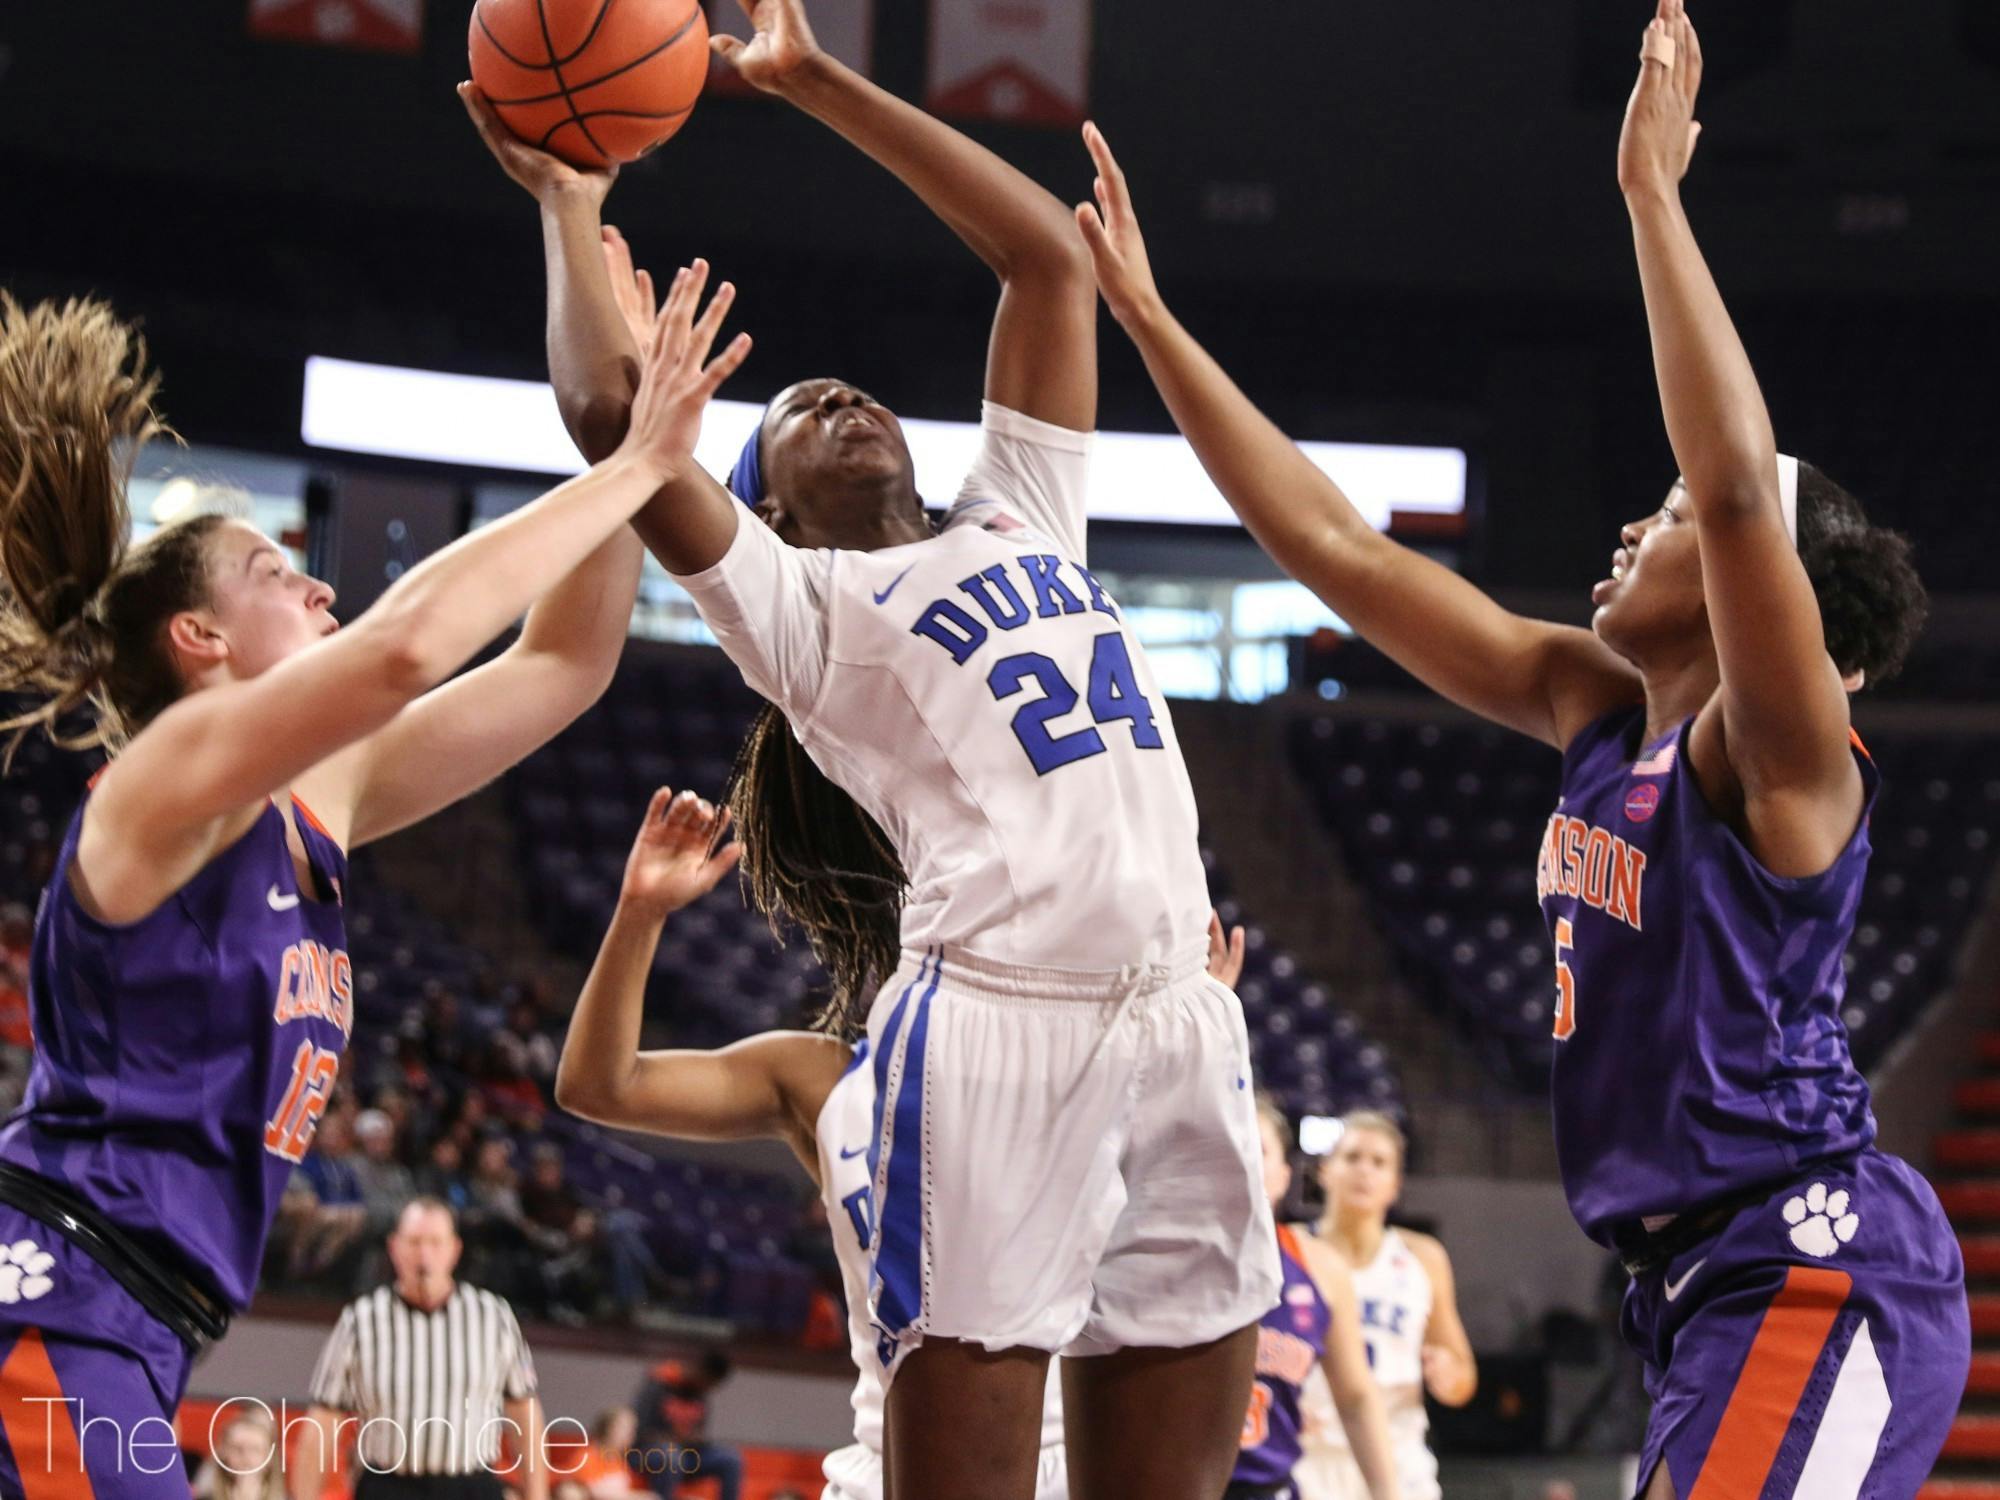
(597, 82)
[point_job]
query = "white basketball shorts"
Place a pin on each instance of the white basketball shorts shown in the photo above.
(1063, 1160)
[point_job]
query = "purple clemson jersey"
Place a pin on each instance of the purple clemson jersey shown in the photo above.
(1290, 1341)
(1699, 1045)
(182, 1061)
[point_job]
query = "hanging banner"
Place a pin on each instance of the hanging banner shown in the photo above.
(844, 28)
(362, 25)
(1026, 61)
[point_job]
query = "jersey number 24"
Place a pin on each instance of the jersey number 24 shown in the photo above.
(1113, 694)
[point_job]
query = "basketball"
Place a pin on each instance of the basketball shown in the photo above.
(597, 82)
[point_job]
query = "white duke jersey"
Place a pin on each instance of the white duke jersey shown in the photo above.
(1393, 1295)
(982, 697)
(845, 1130)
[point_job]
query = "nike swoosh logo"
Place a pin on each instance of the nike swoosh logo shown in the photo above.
(1675, 1288)
(281, 902)
(850, 1155)
(883, 597)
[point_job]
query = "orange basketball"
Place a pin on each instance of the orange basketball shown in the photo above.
(594, 81)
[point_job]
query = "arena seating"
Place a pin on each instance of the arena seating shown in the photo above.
(720, 1230)
(1441, 823)
(37, 797)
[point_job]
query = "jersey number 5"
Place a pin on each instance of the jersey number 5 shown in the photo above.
(1565, 979)
(1113, 691)
(290, 1131)
(1257, 1420)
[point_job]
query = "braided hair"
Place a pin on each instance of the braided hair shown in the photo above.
(815, 860)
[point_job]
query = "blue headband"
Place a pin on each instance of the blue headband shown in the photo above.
(746, 480)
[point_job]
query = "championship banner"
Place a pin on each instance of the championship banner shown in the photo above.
(1025, 61)
(845, 29)
(362, 25)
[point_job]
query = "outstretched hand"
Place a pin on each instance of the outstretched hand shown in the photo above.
(670, 864)
(678, 378)
(538, 171)
(780, 51)
(1111, 231)
(631, 288)
(1225, 951)
(1660, 132)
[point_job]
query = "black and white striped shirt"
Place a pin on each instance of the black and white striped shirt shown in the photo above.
(427, 1387)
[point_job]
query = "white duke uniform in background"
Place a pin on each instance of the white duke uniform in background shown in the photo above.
(1066, 1150)
(1393, 1293)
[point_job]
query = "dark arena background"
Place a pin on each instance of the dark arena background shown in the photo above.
(1399, 226)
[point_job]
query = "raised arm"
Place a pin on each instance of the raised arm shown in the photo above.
(226, 748)
(593, 351)
(1545, 680)
(595, 298)
(1042, 360)
(452, 741)
(769, 1085)
(1356, 1396)
(1783, 707)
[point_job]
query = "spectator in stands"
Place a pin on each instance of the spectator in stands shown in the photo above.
(496, 1228)
(606, 1472)
(564, 1231)
(442, 1175)
(410, 1114)
(593, 1251)
(673, 1413)
(245, 1463)
(494, 1184)
(508, 1088)
(323, 1206)
(468, 1120)
(444, 1028)
(386, 1184)
(413, 1055)
(538, 1049)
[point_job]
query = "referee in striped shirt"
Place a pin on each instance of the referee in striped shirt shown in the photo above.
(425, 1376)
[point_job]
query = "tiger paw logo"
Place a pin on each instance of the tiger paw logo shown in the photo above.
(1821, 1221)
(24, 1267)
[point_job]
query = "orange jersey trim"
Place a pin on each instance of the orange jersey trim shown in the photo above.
(311, 817)
(1772, 1380)
(38, 1425)
(1288, 1243)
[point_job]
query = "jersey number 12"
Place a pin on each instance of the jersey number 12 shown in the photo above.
(290, 1130)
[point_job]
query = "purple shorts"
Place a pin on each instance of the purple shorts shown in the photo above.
(89, 1380)
(1816, 1346)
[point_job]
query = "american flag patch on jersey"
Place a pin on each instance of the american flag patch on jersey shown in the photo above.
(1659, 764)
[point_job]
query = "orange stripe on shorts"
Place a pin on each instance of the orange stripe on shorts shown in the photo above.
(40, 1431)
(1781, 1361)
